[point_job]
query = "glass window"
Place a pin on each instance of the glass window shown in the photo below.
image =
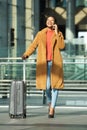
(81, 3)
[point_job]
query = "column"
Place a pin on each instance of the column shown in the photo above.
(70, 26)
(70, 21)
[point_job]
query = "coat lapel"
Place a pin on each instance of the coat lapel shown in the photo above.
(43, 38)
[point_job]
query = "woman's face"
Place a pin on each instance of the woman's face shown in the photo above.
(50, 22)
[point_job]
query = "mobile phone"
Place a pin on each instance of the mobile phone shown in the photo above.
(53, 27)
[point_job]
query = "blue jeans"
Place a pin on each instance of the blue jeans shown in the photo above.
(51, 94)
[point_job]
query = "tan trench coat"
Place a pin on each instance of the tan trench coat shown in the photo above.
(39, 42)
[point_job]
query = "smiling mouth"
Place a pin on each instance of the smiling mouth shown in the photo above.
(49, 24)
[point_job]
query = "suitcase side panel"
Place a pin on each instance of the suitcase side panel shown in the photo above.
(12, 102)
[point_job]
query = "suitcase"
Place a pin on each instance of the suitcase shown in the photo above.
(17, 104)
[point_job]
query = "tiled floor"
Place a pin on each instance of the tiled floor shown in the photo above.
(66, 118)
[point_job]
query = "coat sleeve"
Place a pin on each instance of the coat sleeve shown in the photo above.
(32, 47)
(60, 40)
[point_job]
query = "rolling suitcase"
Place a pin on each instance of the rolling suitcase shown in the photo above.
(17, 106)
(17, 103)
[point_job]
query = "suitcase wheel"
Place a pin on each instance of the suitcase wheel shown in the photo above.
(24, 116)
(16, 116)
(11, 116)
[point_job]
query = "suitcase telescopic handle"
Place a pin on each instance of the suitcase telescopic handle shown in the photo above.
(24, 70)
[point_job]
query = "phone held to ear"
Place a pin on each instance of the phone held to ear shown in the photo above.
(53, 27)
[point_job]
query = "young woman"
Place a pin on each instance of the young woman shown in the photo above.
(49, 69)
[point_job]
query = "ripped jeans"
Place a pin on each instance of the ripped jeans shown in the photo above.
(51, 94)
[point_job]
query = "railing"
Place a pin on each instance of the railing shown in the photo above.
(75, 74)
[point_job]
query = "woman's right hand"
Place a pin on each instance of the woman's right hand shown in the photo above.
(24, 57)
